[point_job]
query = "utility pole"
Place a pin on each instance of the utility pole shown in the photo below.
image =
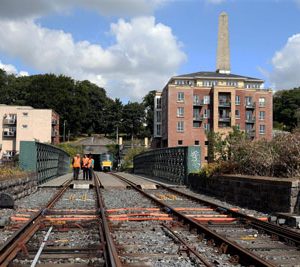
(117, 135)
(64, 136)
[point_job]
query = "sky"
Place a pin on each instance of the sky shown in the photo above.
(130, 47)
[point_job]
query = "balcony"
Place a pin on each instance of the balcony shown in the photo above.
(198, 103)
(250, 105)
(9, 121)
(250, 119)
(224, 119)
(250, 133)
(198, 118)
(9, 133)
(224, 104)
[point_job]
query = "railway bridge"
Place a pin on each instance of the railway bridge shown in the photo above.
(140, 219)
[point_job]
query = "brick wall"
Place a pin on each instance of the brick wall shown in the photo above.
(260, 193)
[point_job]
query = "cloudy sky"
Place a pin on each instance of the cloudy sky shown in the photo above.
(132, 46)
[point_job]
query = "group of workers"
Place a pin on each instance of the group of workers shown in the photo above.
(86, 164)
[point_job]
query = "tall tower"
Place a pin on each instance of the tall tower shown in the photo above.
(223, 54)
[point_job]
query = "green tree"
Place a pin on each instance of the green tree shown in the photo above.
(286, 104)
(148, 102)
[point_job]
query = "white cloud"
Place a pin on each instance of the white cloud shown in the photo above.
(11, 69)
(286, 65)
(15, 9)
(143, 57)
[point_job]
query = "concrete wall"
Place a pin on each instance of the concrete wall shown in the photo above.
(260, 193)
(20, 187)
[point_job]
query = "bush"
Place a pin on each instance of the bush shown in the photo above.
(127, 162)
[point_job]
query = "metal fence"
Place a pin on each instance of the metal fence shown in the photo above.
(46, 160)
(171, 164)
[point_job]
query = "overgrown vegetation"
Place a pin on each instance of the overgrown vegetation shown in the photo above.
(9, 172)
(71, 149)
(128, 158)
(235, 153)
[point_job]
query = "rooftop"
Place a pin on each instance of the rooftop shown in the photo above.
(211, 74)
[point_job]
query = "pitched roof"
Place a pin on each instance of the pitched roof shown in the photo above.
(211, 74)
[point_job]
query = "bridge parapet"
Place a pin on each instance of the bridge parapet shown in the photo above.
(45, 160)
(171, 164)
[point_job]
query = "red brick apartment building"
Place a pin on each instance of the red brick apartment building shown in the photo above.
(192, 104)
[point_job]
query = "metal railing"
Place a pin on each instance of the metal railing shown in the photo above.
(171, 164)
(46, 160)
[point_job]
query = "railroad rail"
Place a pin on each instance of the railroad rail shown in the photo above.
(219, 223)
(57, 218)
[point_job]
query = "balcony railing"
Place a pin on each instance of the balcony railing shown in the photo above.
(9, 133)
(250, 133)
(9, 121)
(224, 104)
(224, 119)
(250, 119)
(250, 105)
(198, 118)
(198, 103)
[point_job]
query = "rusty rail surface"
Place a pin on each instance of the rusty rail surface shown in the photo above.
(240, 254)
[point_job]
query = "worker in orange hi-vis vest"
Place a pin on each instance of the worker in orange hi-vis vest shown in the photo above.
(90, 166)
(76, 166)
(85, 170)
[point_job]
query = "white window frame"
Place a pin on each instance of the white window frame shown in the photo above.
(180, 126)
(237, 116)
(206, 126)
(237, 100)
(262, 129)
(206, 113)
(158, 116)
(206, 100)
(262, 102)
(180, 112)
(262, 117)
(180, 96)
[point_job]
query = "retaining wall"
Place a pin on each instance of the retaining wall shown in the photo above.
(261, 193)
(19, 187)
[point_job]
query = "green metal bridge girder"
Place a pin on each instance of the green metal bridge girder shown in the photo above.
(45, 160)
(172, 164)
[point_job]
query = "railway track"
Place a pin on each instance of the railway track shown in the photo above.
(241, 239)
(67, 231)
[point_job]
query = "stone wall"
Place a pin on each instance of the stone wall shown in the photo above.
(19, 187)
(261, 193)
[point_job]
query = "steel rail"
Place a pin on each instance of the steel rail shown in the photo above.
(284, 234)
(111, 253)
(200, 257)
(13, 245)
(245, 257)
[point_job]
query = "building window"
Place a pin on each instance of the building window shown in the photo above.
(262, 129)
(232, 83)
(207, 127)
(262, 101)
(237, 100)
(158, 129)
(197, 142)
(180, 111)
(248, 100)
(262, 115)
(180, 96)
(196, 99)
(210, 83)
(180, 126)
(25, 114)
(238, 126)
(196, 124)
(158, 102)
(206, 114)
(237, 114)
(206, 99)
(180, 142)
(184, 82)
(24, 126)
(206, 142)
(158, 116)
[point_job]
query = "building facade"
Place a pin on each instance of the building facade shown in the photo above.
(24, 123)
(190, 105)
